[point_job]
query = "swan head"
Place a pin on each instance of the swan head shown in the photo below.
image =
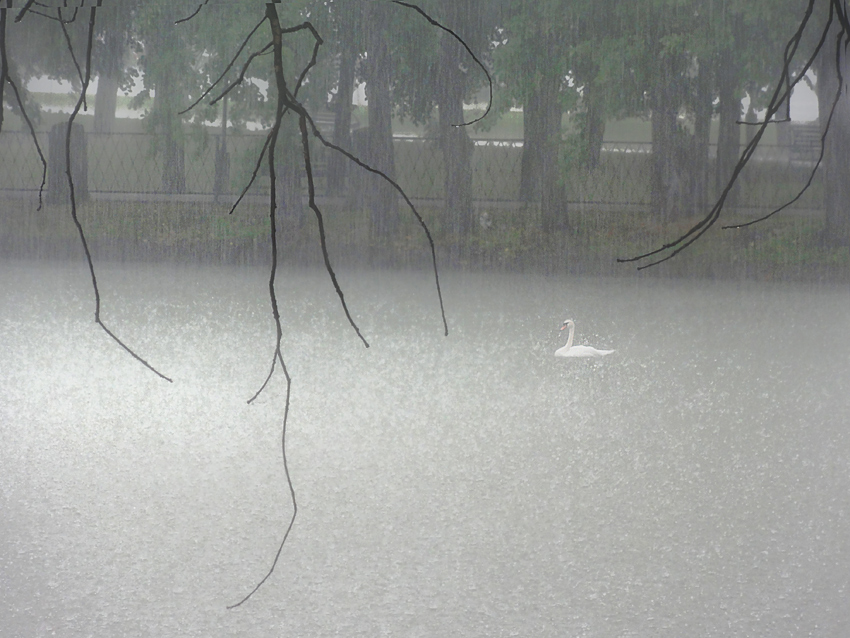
(568, 323)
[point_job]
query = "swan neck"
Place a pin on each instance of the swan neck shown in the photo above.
(572, 329)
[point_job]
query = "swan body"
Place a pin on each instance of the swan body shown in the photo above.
(569, 350)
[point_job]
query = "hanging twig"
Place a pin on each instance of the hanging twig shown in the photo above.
(196, 12)
(782, 93)
(241, 77)
(288, 101)
(468, 50)
(228, 67)
(71, 51)
(74, 216)
(4, 64)
(271, 14)
(54, 18)
(6, 77)
(838, 92)
(407, 200)
(23, 11)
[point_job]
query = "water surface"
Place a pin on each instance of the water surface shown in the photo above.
(696, 482)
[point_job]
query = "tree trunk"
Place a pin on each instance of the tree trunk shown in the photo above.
(290, 173)
(836, 193)
(380, 196)
(167, 126)
(173, 165)
(337, 163)
(702, 131)
(666, 186)
(105, 102)
(221, 184)
(454, 141)
(553, 200)
(109, 65)
(58, 191)
(532, 140)
(729, 137)
(593, 129)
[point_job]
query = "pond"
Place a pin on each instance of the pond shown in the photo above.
(695, 482)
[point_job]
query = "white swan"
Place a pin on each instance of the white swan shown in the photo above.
(570, 350)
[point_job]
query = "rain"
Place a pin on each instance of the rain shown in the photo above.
(358, 318)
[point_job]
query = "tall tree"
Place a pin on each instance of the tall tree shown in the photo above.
(832, 64)
(114, 38)
(380, 196)
(452, 88)
(165, 61)
(532, 63)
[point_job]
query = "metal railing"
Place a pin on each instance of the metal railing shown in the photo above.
(131, 165)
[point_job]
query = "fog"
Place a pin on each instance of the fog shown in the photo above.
(693, 483)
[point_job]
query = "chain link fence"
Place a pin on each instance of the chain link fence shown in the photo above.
(131, 165)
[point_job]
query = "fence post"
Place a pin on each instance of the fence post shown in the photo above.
(57, 180)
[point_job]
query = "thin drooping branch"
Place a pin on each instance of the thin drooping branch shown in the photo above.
(288, 101)
(780, 95)
(250, 183)
(468, 50)
(6, 77)
(241, 77)
(54, 18)
(227, 68)
(407, 200)
(71, 52)
(74, 216)
(317, 43)
(277, 39)
(4, 63)
(815, 168)
(23, 11)
(194, 13)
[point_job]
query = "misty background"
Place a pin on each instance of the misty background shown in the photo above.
(693, 482)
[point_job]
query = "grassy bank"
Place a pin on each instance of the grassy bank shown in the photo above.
(784, 248)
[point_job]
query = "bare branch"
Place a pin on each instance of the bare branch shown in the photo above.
(23, 11)
(288, 482)
(407, 200)
(73, 57)
(317, 43)
(75, 217)
(781, 93)
(241, 77)
(32, 134)
(228, 67)
(6, 77)
(253, 175)
(468, 50)
(4, 64)
(271, 14)
(817, 165)
(196, 12)
(287, 101)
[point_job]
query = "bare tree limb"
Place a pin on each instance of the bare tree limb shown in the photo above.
(814, 170)
(196, 12)
(71, 51)
(75, 217)
(468, 50)
(241, 77)
(227, 68)
(287, 101)
(23, 11)
(271, 14)
(781, 93)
